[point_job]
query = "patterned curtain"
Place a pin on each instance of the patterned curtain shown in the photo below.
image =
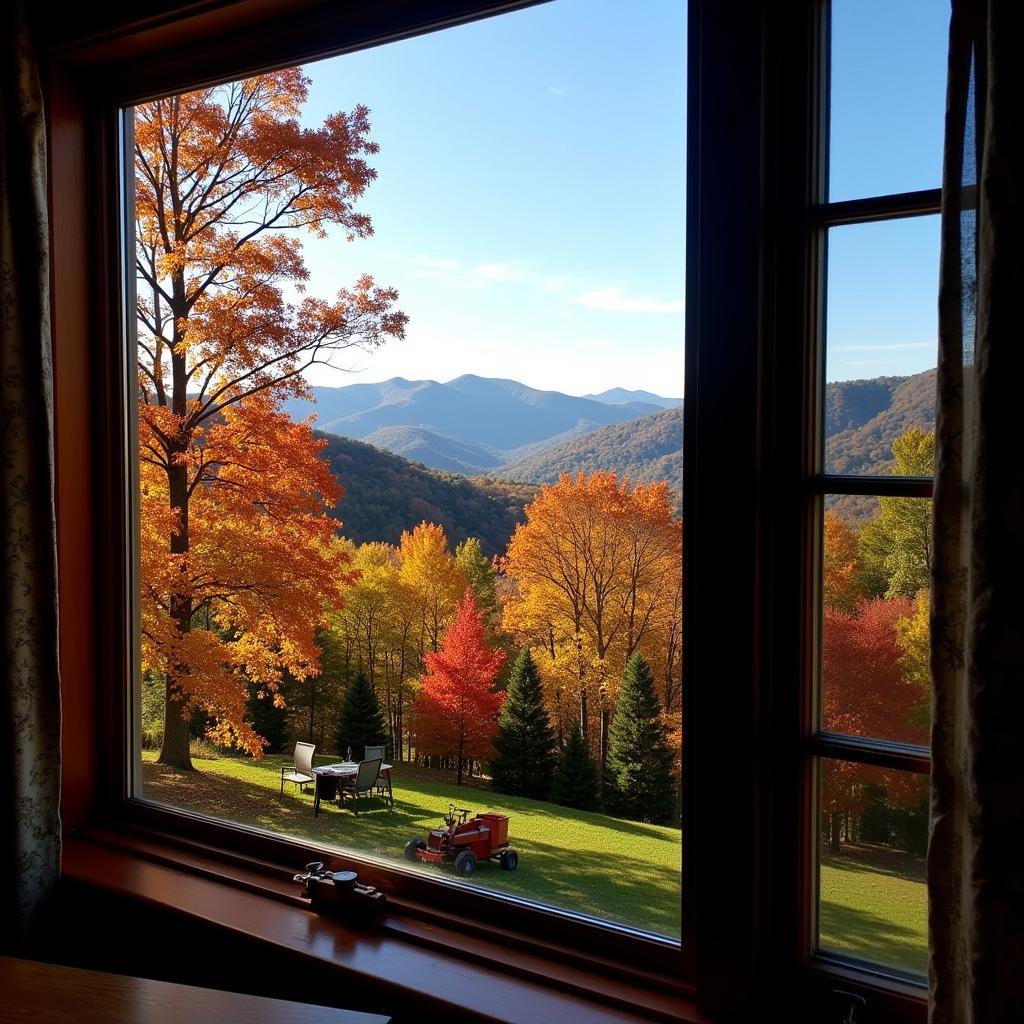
(975, 854)
(29, 685)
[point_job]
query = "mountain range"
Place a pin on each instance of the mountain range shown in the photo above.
(499, 427)
(469, 453)
(470, 424)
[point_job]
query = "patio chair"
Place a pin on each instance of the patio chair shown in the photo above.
(363, 782)
(301, 771)
(383, 787)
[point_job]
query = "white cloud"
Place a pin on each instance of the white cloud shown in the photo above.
(453, 274)
(432, 263)
(497, 272)
(615, 300)
(557, 90)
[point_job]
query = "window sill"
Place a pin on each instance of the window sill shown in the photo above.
(404, 958)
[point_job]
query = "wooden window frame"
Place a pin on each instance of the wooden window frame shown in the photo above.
(89, 83)
(821, 743)
(755, 164)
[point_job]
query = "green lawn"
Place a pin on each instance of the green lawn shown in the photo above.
(872, 900)
(874, 906)
(593, 864)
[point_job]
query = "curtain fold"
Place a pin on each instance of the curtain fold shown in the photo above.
(30, 685)
(975, 860)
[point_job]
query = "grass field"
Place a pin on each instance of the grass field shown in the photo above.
(874, 906)
(872, 900)
(618, 870)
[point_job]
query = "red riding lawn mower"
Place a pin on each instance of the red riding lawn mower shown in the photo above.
(466, 842)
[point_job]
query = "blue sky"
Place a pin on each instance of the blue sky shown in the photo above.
(529, 204)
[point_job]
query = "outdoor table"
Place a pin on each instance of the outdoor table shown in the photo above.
(327, 777)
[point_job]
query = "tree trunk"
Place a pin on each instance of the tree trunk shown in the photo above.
(174, 751)
(836, 822)
(602, 745)
(462, 744)
(584, 714)
(312, 699)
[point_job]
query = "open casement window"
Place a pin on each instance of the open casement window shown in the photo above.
(137, 310)
(762, 748)
(812, 276)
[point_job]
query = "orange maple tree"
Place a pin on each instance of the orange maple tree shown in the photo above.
(456, 711)
(842, 585)
(598, 572)
(237, 557)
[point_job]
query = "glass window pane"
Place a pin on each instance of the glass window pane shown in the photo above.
(876, 562)
(368, 581)
(881, 342)
(888, 96)
(872, 839)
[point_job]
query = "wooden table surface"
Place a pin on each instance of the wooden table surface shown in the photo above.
(50, 994)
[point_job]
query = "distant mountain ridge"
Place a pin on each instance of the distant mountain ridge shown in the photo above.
(448, 474)
(646, 450)
(617, 396)
(493, 412)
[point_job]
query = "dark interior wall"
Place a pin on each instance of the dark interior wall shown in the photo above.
(59, 24)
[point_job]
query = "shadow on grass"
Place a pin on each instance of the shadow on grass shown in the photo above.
(611, 885)
(861, 933)
(878, 860)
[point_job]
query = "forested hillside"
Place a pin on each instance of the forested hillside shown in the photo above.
(646, 450)
(863, 417)
(386, 494)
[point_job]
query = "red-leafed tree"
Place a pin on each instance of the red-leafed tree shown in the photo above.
(457, 710)
(867, 693)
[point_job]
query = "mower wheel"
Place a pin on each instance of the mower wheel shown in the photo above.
(509, 860)
(412, 846)
(465, 863)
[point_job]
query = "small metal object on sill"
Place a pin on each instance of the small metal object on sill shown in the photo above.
(851, 1006)
(339, 892)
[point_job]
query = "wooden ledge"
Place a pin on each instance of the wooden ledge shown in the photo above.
(38, 993)
(404, 961)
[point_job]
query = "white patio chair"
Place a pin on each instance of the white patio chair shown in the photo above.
(301, 772)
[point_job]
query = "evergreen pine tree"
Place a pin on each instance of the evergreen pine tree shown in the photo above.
(268, 721)
(360, 721)
(639, 779)
(575, 782)
(525, 743)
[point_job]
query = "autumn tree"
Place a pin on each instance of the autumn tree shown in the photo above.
(525, 758)
(435, 580)
(457, 708)
(914, 636)
(866, 693)
(596, 564)
(896, 548)
(232, 493)
(841, 576)
(378, 627)
(638, 778)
